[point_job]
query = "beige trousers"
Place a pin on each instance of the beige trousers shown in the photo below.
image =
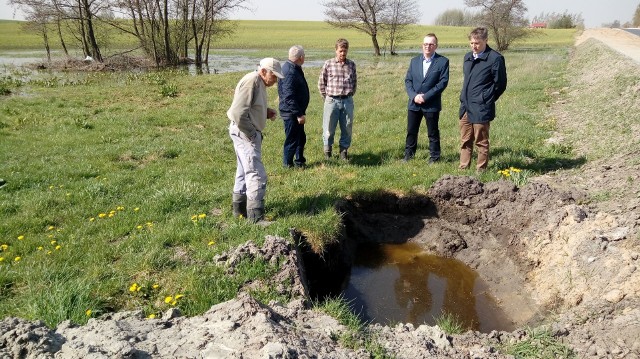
(471, 133)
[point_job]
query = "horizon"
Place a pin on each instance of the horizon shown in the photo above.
(593, 14)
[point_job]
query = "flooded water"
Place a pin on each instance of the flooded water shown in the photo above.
(393, 283)
(219, 62)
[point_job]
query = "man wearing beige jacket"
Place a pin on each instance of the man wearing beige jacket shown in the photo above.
(248, 115)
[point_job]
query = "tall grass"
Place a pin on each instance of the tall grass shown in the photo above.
(111, 182)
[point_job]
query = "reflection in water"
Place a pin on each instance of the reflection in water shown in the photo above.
(402, 283)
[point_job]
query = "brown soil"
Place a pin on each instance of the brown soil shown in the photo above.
(561, 252)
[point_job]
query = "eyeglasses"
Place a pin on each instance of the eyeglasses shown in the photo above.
(428, 45)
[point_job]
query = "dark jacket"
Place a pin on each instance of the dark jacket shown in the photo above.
(431, 85)
(485, 80)
(293, 91)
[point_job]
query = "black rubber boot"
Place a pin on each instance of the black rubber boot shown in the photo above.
(343, 154)
(255, 211)
(239, 204)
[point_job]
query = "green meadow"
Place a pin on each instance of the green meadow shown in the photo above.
(118, 184)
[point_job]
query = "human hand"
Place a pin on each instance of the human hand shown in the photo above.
(271, 114)
(418, 99)
(302, 120)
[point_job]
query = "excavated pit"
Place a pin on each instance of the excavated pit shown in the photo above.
(458, 249)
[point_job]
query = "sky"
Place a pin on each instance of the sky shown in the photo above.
(594, 12)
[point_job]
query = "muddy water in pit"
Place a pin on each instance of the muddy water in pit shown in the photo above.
(391, 283)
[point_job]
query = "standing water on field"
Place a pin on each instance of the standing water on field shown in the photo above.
(392, 283)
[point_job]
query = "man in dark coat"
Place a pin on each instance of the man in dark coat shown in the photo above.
(293, 93)
(485, 80)
(426, 79)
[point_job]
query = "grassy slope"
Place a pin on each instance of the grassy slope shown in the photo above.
(75, 146)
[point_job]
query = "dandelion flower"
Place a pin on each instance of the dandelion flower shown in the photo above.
(134, 288)
(178, 296)
(49, 252)
(211, 243)
(1, 259)
(102, 215)
(155, 286)
(111, 215)
(20, 238)
(53, 243)
(92, 219)
(136, 209)
(151, 316)
(88, 312)
(202, 215)
(58, 247)
(4, 247)
(51, 228)
(168, 299)
(17, 259)
(120, 208)
(40, 248)
(149, 224)
(139, 227)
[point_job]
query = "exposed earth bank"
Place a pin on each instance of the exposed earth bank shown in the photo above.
(561, 253)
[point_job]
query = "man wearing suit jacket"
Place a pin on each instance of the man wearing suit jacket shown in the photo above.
(485, 80)
(427, 77)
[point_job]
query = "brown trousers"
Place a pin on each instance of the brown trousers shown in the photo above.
(471, 133)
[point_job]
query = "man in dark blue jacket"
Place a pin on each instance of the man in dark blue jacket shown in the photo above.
(293, 93)
(427, 77)
(485, 80)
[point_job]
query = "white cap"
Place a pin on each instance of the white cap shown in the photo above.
(272, 65)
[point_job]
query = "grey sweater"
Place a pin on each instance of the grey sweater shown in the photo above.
(249, 107)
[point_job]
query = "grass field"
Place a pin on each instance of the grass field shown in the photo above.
(316, 35)
(118, 196)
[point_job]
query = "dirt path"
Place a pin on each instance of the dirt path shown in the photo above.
(617, 39)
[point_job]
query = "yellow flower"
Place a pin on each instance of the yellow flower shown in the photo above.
(194, 218)
(149, 224)
(151, 316)
(17, 259)
(120, 208)
(51, 228)
(51, 187)
(58, 247)
(49, 252)
(168, 299)
(40, 248)
(92, 219)
(111, 215)
(88, 312)
(178, 296)
(202, 215)
(139, 227)
(1, 259)
(155, 286)
(20, 238)
(134, 288)
(211, 243)
(53, 243)
(4, 247)
(136, 209)
(102, 215)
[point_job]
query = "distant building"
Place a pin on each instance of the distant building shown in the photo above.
(538, 25)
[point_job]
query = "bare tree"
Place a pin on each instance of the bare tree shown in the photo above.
(636, 17)
(400, 14)
(362, 15)
(457, 17)
(505, 19)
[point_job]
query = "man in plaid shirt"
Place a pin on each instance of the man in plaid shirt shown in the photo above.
(337, 85)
